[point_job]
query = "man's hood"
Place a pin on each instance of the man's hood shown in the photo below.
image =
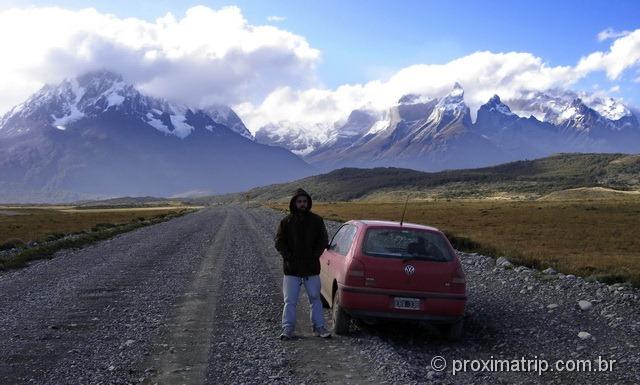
(292, 202)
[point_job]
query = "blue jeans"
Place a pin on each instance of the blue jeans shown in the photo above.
(291, 290)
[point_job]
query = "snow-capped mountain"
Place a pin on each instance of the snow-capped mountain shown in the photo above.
(428, 133)
(95, 93)
(585, 110)
(292, 136)
(447, 112)
(225, 116)
(419, 132)
(96, 136)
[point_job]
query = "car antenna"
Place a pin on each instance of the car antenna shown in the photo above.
(405, 209)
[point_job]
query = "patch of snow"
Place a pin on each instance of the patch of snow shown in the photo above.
(114, 100)
(157, 124)
(72, 116)
(503, 109)
(209, 127)
(608, 108)
(380, 125)
(62, 128)
(182, 129)
(568, 113)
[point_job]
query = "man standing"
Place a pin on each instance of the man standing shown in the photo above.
(301, 239)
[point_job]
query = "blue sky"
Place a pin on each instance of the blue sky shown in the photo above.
(360, 42)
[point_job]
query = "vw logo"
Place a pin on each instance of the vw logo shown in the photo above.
(409, 269)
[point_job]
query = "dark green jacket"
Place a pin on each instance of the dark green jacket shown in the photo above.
(301, 239)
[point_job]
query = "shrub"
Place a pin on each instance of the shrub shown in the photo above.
(12, 243)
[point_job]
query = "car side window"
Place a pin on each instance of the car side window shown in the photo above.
(344, 243)
(336, 238)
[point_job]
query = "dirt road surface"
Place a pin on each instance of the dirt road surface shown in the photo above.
(197, 300)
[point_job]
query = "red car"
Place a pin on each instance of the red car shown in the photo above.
(380, 269)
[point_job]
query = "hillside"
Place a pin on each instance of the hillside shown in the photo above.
(528, 179)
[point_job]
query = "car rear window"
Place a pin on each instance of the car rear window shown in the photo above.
(406, 243)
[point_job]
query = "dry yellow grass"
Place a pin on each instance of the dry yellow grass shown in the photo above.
(589, 238)
(35, 224)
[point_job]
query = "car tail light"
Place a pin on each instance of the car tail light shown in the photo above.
(355, 273)
(458, 276)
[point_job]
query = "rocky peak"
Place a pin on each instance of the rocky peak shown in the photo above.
(495, 105)
(451, 107)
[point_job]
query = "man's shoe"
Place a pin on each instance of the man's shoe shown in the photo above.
(287, 334)
(321, 332)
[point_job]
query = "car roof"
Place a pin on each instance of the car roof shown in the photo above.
(378, 223)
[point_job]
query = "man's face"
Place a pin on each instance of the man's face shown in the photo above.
(301, 202)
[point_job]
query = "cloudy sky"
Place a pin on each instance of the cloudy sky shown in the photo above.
(314, 62)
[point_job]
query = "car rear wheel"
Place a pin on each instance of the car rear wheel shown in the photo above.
(341, 319)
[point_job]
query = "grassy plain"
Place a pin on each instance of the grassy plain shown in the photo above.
(48, 229)
(28, 224)
(597, 239)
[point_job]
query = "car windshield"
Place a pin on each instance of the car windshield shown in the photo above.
(406, 244)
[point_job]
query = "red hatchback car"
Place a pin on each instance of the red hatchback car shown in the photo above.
(380, 269)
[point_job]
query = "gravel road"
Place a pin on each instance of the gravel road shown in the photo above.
(197, 300)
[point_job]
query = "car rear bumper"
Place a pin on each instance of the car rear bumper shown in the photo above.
(403, 316)
(365, 302)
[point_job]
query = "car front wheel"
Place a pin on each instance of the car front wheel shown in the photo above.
(341, 319)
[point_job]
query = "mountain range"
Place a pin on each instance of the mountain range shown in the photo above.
(432, 134)
(96, 136)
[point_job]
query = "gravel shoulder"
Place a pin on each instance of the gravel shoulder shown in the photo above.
(198, 300)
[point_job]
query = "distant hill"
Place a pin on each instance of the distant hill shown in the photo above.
(130, 202)
(527, 179)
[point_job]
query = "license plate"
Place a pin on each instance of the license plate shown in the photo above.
(406, 303)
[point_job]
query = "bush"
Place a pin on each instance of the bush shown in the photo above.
(12, 243)
(53, 237)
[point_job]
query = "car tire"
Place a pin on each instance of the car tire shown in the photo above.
(341, 319)
(453, 331)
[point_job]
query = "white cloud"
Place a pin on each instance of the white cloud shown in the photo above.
(276, 19)
(206, 56)
(266, 73)
(623, 54)
(482, 74)
(610, 33)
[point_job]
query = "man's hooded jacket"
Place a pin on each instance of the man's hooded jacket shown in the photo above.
(301, 239)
